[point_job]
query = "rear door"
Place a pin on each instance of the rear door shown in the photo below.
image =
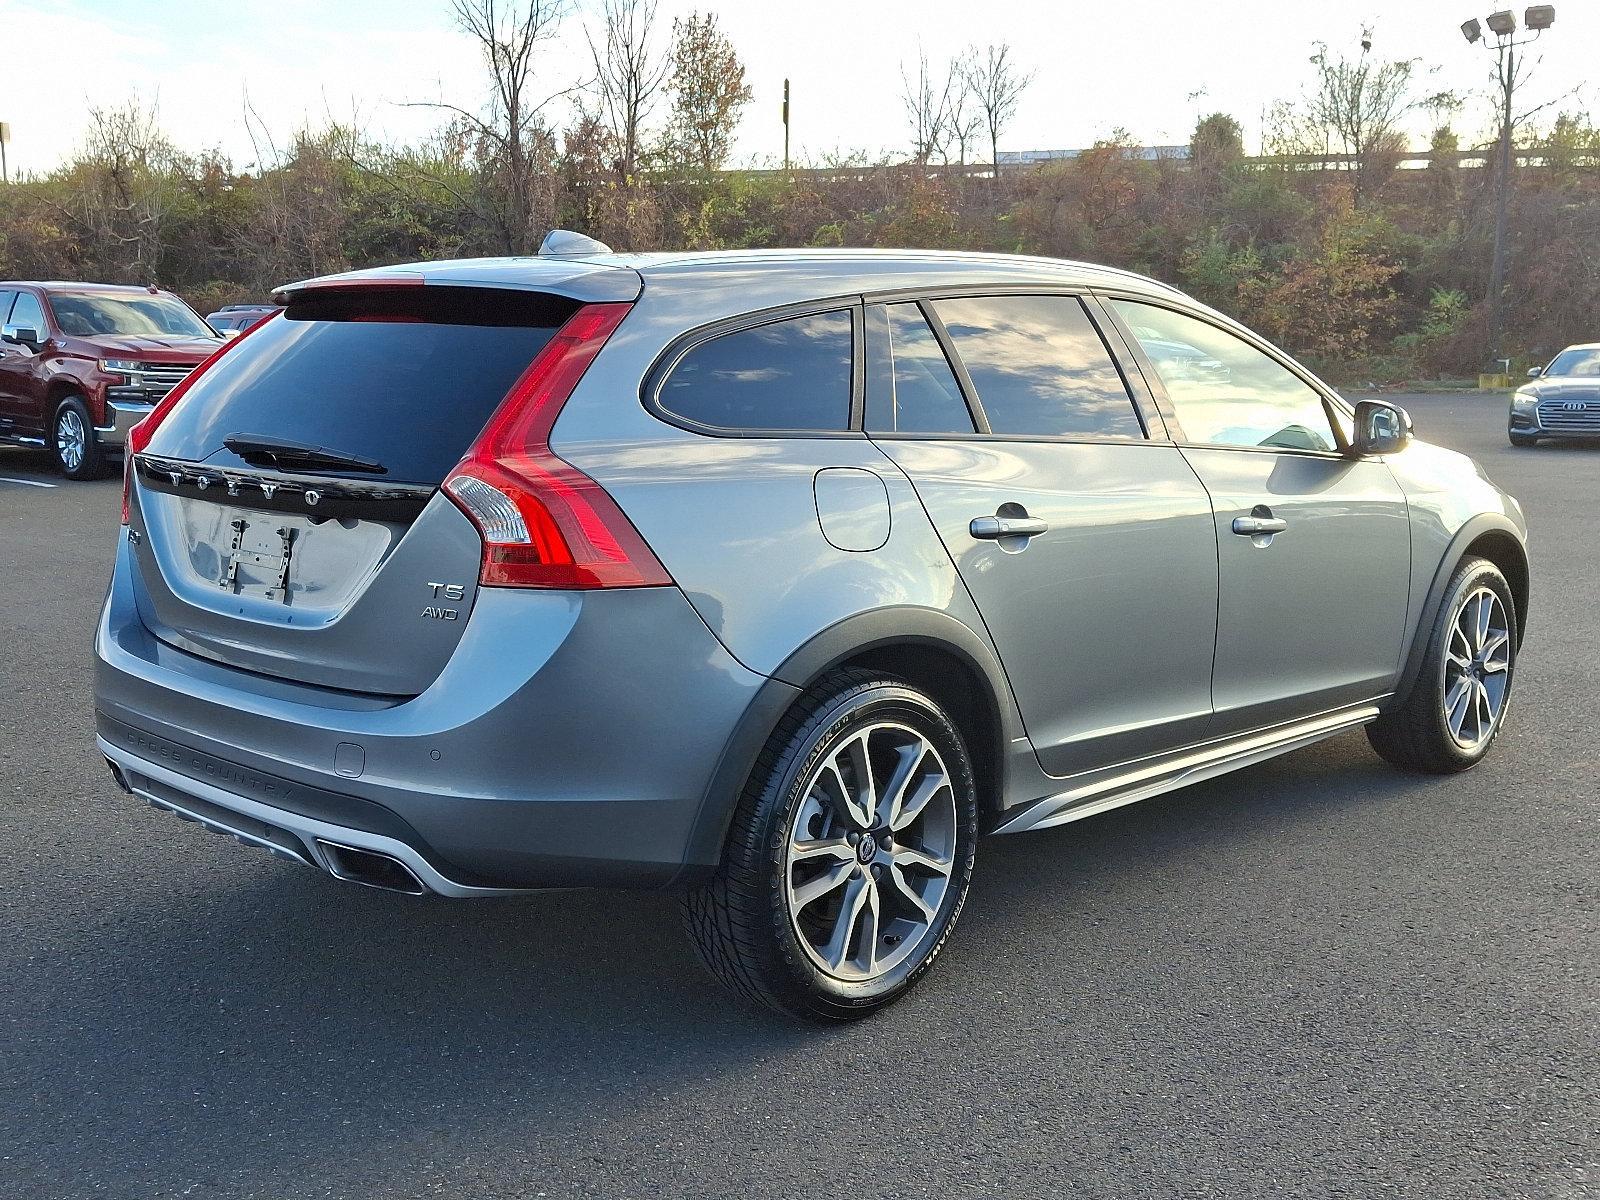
(1314, 547)
(358, 575)
(1084, 537)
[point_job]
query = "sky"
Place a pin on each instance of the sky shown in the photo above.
(1149, 66)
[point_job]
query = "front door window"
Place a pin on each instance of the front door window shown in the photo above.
(1224, 391)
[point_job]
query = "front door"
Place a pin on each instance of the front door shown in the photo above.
(1087, 545)
(1313, 546)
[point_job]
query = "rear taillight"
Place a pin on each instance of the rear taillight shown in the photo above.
(545, 524)
(139, 436)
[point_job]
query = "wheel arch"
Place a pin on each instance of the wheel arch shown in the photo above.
(56, 393)
(931, 650)
(1505, 551)
(1489, 536)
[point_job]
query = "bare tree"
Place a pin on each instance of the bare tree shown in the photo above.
(301, 200)
(928, 103)
(515, 147)
(628, 74)
(996, 86)
(1357, 108)
(708, 92)
(966, 117)
(130, 186)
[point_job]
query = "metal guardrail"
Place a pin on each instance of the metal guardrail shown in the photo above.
(1410, 160)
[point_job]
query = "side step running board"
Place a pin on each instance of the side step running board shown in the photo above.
(1154, 777)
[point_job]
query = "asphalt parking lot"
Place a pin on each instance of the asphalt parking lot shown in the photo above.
(1317, 977)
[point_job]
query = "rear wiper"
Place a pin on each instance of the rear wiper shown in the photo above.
(281, 452)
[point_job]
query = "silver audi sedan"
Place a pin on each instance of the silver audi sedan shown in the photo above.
(1561, 400)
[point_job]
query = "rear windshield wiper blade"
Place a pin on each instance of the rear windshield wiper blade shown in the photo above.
(284, 453)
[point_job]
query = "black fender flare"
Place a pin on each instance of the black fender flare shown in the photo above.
(1469, 533)
(841, 641)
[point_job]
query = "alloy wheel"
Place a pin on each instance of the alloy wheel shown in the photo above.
(870, 852)
(1477, 669)
(71, 438)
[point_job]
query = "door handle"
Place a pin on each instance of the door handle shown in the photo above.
(1257, 526)
(991, 529)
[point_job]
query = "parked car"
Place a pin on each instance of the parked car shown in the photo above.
(774, 578)
(233, 319)
(82, 363)
(1561, 400)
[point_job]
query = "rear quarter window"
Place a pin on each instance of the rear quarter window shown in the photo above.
(910, 386)
(792, 374)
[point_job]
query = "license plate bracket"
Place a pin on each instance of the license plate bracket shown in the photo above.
(263, 550)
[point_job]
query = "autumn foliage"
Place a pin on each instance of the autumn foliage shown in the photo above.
(1381, 282)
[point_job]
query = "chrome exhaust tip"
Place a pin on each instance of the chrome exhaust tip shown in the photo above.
(116, 773)
(369, 867)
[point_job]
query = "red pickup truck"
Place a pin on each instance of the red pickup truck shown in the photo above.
(82, 363)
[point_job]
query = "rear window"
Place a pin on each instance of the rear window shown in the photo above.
(792, 374)
(407, 377)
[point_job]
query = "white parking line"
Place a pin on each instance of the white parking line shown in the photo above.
(27, 482)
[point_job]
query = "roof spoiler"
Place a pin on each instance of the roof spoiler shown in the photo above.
(574, 278)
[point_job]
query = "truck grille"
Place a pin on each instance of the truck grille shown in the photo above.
(151, 382)
(1570, 416)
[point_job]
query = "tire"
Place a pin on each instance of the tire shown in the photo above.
(1429, 731)
(1523, 439)
(73, 442)
(768, 923)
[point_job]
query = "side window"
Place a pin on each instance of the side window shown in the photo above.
(1224, 391)
(791, 374)
(1039, 367)
(910, 386)
(26, 311)
(5, 306)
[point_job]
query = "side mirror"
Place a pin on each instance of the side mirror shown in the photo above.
(21, 335)
(1535, 372)
(1381, 428)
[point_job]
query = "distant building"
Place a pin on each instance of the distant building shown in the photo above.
(1018, 158)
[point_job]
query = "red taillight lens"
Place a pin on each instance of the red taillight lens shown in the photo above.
(544, 522)
(139, 436)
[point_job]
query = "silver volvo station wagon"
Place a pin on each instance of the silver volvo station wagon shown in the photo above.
(773, 579)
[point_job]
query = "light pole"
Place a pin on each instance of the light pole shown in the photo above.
(1536, 19)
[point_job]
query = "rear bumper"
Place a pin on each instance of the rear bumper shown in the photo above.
(574, 739)
(279, 830)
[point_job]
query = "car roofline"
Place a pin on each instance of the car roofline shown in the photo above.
(63, 285)
(597, 277)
